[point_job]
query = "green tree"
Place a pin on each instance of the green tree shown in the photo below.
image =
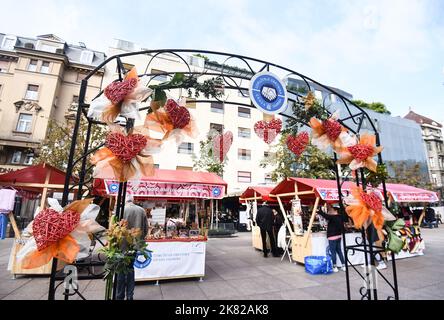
(411, 174)
(206, 161)
(313, 163)
(375, 106)
(55, 149)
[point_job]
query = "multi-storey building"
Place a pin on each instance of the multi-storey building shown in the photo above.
(39, 80)
(433, 144)
(247, 151)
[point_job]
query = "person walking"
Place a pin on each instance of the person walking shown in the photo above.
(264, 220)
(137, 219)
(335, 230)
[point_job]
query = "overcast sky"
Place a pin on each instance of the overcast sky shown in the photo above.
(390, 51)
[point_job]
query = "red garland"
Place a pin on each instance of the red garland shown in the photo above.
(180, 116)
(372, 201)
(51, 226)
(117, 91)
(268, 131)
(361, 151)
(332, 129)
(298, 144)
(124, 147)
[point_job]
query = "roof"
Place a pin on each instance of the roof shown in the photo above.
(35, 175)
(422, 119)
(261, 191)
(406, 193)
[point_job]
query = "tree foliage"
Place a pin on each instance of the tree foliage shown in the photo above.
(375, 106)
(313, 163)
(55, 149)
(206, 161)
(411, 174)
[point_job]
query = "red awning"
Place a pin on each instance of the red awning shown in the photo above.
(169, 184)
(406, 193)
(261, 192)
(30, 178)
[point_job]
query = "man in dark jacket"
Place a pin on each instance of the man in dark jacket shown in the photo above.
(264, 220)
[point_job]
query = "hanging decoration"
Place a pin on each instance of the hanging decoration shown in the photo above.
(128, 155)
(268, 130)
(121, 97)
(361, 155)
(328, 133)
(309, 101)
(221, 145)
(298, 144)
(365, 208)
(60, 233)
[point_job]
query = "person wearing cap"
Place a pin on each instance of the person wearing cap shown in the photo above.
(335, 229)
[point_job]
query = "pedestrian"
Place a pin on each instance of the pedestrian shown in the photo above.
(277, 224)
(136, 218)
(264, 220)
(335, 229)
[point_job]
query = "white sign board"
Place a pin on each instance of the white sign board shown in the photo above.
(159, 215)
(172, 259)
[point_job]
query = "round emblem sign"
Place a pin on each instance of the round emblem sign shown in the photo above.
(141, 261)
(216, 192)
(268, 93)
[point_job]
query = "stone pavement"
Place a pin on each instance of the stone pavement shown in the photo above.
(234, 270)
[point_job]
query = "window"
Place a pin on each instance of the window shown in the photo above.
(244, 177)
(429, 146)
(268, 179)
(161, 77)
(9, 43)
(32, 92)
(16, 157)
(186, 148)
(24, 123)
(87, 57)
(191, 103)
(434, 179)
(80, 76)
(32, 66)
(217, 107)
(4, 66)
(432, 162)
(1, 87)
(184, 168)
(75, 99)
(156, 166)
(439, 147)
(29, 159)
(441, 162)
(244, 112)
(244, 154)
(244, 133)
(45, 67)
(216, 126)
(48, 48)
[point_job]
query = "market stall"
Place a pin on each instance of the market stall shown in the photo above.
(253, 197)
(33, 183)
(178, 204)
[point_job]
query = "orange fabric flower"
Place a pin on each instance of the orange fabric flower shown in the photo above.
(327, 133)
(364, 208)
(361, 155)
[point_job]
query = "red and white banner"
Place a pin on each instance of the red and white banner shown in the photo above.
(414, 196)
(168, 190)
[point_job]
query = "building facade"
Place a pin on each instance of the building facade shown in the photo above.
(433, 144)
(39, 80)
(247, 151)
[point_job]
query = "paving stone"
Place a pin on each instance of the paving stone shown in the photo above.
(218, 289)
(297, 295)
(182, 292)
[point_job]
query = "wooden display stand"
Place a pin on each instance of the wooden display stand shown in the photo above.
(257, 238)
(300, 250)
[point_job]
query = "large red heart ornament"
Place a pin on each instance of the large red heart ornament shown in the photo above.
(180, 116)
(298, 144)
(117, 91)
(361, 151)
(51, 226)
(124, 147)
(221, 145)
(268, 130)
(332, 129)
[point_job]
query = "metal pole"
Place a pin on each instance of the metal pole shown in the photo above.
(84, 161)
(69, 170)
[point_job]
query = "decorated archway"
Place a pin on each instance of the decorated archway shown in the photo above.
(337, 125)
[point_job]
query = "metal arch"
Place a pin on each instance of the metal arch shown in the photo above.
(82, 111)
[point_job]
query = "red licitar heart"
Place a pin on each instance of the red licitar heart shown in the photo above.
(332, 129)
(51, 226)
(361, 151)
(124, 147)
(268, 131)
(117, 91)
(180, 116)
(221, 145)
(372, 201)
(298, 144)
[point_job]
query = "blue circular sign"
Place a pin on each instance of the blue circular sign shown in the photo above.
(113, 187)
(216, 192)
(268, 93)
(142, 261)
